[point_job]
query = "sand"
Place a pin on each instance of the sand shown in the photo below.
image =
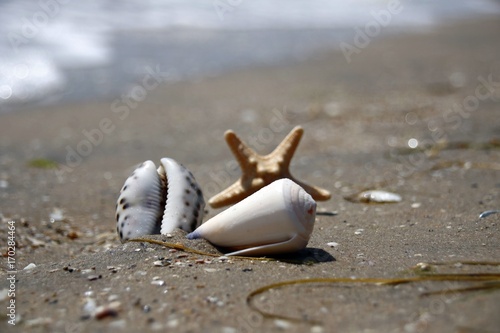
(359, 120)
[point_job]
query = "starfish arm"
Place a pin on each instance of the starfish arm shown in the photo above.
(229, 196)
(318, 193)
(241, 151)
(287, 147)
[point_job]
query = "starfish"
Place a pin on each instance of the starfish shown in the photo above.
(259, 171)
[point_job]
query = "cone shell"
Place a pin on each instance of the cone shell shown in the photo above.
(278, 218)
(158, 201)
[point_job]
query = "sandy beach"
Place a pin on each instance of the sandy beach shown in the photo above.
(413, 114)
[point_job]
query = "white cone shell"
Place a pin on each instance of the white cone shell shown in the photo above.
(278, 218)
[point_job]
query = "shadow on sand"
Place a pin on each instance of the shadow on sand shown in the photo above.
(307, 256)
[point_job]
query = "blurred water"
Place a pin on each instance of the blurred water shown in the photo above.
(64, 51)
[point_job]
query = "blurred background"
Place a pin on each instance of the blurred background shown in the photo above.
(54, 51)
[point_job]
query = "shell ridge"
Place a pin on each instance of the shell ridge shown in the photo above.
(293, 194)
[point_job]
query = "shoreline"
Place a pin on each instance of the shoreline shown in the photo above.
(110, 81)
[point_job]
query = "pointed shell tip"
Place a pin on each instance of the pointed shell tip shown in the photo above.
(193, 235)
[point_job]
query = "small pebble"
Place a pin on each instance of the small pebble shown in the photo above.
(57, 215)
(210, 270)
(89, 306)
(359, 231)
(158, 283)
(110, 310)
(161, 263)
(228, 329)
(488, 213)
(113, 269)
(157, 326)
(69, 269)
(4, 294)
(416, 205)
(93, 277)
(282, 324)
(173, 323)
(332, 244)
(317, 329)
(118, 324)
(30, 266)
(214, 300)
(424, 267)
(247, 269)
(376, 196)
(35, 242)
(327, 213)
(41, 321)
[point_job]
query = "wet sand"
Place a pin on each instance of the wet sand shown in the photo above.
(359, 120)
